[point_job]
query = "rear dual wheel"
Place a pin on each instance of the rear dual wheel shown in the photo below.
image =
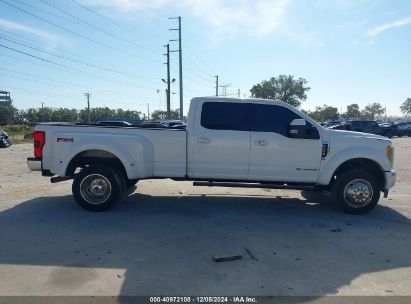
(98, 187)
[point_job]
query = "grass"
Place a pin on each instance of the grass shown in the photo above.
(17, 129)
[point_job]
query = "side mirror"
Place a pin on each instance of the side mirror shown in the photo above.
(297, 128)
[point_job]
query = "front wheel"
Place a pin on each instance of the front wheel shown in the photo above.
(97, 187)
(356, 191)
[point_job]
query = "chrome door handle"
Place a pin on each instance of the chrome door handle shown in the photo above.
(203, 140)
(260, 142)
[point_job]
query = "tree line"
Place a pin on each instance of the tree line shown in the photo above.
(284, 87)
(9, 115)
(293, 91)
(370, 112)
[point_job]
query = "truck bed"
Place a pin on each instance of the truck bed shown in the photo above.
(147, 152)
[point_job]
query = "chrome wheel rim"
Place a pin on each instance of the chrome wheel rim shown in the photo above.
(95, 189)
(358, 193)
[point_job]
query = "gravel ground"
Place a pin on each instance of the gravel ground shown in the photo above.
(161, 239)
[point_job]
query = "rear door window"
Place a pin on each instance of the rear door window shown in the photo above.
(223, 116)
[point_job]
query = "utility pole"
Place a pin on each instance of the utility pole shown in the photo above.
(238, 94)
(180, 62)
(224, 88)
(88, 106)
(148, 111)
(168, 79)
(216, 85)
(385, 111)
(42, 111)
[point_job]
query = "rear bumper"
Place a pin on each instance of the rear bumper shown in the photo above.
(390, 178)
(34, 164)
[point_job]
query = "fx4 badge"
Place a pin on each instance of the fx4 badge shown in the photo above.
(65, 139)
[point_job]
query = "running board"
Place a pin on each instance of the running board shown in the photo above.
(254, 185)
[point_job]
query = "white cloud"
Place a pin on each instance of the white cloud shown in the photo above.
(258, 17)
(306, 39)
(387, 26)
(28, 29)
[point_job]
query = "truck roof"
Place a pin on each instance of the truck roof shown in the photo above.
(230, 99)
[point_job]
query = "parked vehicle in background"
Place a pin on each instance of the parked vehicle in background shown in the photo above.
(346, 125)
(179, 127)
(171, 123)
(372, 127)
(408, 128)
(366, 126)
(254, 143)
(5, 140)
(329, 124)
(114, 123)
(152, 124)
(401, 129)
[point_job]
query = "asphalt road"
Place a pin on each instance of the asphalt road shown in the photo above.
(161, 239)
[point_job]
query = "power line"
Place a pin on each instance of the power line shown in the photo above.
(70, 85)
(35, 92)
(20, 36)
(70, 68)
(195, 73)
(95, 27)
(64, 52)
(196, 66)
(111, 21)
(73, 60)
(63, 84)
(44, 93)
(60, 17)
(38, 43)
(70, 31)
(198, 82)
(31, 80)
(199, 59)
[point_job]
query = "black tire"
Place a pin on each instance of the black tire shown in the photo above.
(98, 187)
(356, 191)
(123, 180)
(131, 182)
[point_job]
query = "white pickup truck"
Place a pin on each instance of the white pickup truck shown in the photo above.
(227, 142)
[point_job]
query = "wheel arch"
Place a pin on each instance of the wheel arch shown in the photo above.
(366, 164)
(92, 157)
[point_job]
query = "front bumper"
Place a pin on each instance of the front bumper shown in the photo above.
(390, 178)
(34, 164)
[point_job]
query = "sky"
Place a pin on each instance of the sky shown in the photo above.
(349, 51)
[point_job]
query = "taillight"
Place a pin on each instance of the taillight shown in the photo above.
(39, 139)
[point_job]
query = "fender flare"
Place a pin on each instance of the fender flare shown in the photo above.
(340, 158)
(133, 168)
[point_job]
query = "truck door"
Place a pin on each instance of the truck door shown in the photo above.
(220, 146)
(276, 157)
